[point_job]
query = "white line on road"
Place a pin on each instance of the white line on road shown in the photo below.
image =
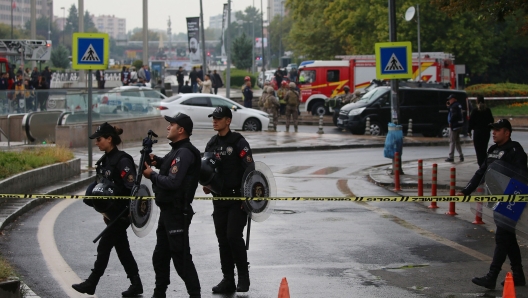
(57, 266)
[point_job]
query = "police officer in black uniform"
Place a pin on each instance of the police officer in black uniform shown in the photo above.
(174, 187)
(116, 173)
(505, 239)
(229, 217)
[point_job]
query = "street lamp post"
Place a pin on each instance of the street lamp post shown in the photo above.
(253, 42)
(63, 22)
(409, 14)
(280, 40)
(50, 17)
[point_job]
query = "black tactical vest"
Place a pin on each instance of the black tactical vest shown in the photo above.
(184, 195)
(230, 167)
(107, 172)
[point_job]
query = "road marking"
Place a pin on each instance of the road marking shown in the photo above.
(342, 185)
(57, 266)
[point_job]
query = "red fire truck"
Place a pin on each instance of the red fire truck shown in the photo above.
(319, 79)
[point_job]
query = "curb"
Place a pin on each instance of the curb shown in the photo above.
(32, 203)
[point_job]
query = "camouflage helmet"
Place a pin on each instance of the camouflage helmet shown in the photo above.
(292, 85)
(357, 93)
(346, 87)
(270, 90)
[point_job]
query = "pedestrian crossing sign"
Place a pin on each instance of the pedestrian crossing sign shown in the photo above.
(394, 60)
(90, 51)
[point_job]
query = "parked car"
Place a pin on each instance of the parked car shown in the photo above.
(269, 75)
(199, 106)
(131, 99)
(425, 106)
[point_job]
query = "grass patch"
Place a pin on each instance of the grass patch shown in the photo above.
(12, 163)
(514, 109)
(6, 271)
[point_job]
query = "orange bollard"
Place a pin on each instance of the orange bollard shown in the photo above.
(433, 185)
(509, 287)
(396, 169)
(420, 177)
(284, 289)
(452, 192)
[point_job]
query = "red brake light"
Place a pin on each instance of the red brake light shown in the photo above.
(162, 108)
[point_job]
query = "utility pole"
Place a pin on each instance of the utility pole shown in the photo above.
(145, 33)
(81, 29)
(204, 62)
(228, 50)
(12, 3)
(394, 82)
(33, 34)
(263, 56)
(253, 42)
(280, 36)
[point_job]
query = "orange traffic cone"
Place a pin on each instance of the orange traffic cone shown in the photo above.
(509, 287)
(284, 290)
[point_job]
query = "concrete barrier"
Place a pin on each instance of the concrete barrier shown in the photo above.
(134, 129)
(33, 179)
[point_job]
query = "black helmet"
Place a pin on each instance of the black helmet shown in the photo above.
(103, 190)
(209, 176)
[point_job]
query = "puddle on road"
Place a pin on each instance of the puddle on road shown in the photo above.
(291, 170)
(283, 211)
(327, 171)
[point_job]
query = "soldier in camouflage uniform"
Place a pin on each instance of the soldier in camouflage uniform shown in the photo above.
(271, 106)
(262, 98)
(347, 97)
(293, 100)
(280, 94)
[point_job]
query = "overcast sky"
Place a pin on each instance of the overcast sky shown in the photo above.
(158, 10)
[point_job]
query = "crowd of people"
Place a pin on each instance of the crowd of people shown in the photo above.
(24, 91)
(199, 82)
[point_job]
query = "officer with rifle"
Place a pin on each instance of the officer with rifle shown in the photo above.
(116, 173)
(174, 187)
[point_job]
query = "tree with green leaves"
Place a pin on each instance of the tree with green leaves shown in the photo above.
(59, 57)
(241, 52)
(278, 31)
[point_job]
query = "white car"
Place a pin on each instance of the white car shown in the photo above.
(199, 106)
(269, 76)
(131, 99)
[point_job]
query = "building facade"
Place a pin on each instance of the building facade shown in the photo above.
(215, 22)
(21, 11)
(276, 7)
(115, 27)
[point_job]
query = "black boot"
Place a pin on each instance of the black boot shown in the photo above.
(88, 286)
(488, 281)
(226, 286)
(243, 282)
(135, 289)
(518, 276)
(159, 293)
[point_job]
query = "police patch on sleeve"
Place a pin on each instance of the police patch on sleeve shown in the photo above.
(130, 178)
(174, 169)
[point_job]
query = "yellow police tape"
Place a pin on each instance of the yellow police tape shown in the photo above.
(459, 199)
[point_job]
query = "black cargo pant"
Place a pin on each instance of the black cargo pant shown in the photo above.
(505, 246)
(115, 236)
(229, 221)
(480, 142)
(173, 242)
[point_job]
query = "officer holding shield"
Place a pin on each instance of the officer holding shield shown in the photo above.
(234, 156)
(174, 187)
(506, 244)
(116, 173)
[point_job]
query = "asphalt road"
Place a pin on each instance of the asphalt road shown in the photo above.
(325, 249)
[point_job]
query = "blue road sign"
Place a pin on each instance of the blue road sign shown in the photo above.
(90, 50)
(393, 60)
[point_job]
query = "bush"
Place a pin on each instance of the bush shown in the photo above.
(237, 78)
(138, 64)
(497, 90)
(6, 271)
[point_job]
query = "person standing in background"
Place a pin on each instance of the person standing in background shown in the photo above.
(479, 120)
